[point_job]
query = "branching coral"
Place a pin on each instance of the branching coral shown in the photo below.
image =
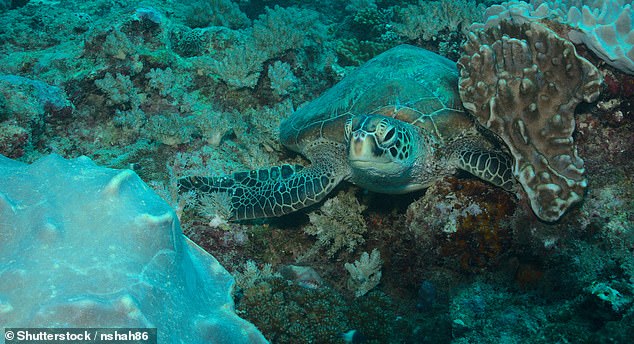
(166, 82)
(338, 224)
(251, 275)
(428, 18)
(119, 89)
(213, 126)
(216, 207)
(523, 83)
(240, 66)
(365, 273)
(281, 77)
(281, 29)
(170, 129)
(204, 13)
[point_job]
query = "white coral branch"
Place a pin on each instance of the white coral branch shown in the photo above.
(365, 273)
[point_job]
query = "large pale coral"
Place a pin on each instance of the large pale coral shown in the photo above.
(605, 26)
(87, 246)
(523, 82)
(608, 30)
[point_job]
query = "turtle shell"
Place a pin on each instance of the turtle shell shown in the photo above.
(408, 83)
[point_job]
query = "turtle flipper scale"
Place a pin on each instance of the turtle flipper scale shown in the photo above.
(494, 167)
(268, 192)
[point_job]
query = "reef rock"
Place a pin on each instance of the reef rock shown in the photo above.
(87, 246)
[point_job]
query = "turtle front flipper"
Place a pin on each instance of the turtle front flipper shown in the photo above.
(494, 167)
(268, 192)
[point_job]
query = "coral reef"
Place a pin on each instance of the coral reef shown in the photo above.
(170, 89)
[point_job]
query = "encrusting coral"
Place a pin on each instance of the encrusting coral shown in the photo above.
(523, 82)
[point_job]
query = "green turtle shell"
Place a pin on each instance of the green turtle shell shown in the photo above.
(407, 83)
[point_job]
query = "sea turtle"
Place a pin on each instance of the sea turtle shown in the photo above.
(394, 125)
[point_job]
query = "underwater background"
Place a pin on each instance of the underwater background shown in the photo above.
(171, 89)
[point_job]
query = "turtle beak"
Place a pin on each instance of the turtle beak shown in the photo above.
(363, 147)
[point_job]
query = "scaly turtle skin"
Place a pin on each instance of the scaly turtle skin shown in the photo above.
(394, 125)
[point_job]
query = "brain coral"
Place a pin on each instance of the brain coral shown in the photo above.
(523, 82)
(86, 246)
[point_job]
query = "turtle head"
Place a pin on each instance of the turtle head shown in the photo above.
(381, 149)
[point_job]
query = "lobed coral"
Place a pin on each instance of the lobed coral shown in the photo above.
(523, 82)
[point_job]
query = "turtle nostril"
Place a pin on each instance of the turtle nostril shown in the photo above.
(359, 135)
